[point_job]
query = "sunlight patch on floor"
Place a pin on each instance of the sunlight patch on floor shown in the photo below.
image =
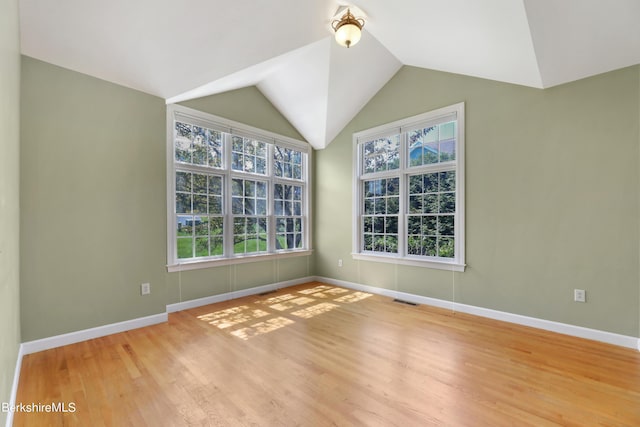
(239, 321)
(292, 304)
(313, 311)
(275, 300)
(314, 290)
(233, 316)
(354, 297)
(262, 328)
(329, 293)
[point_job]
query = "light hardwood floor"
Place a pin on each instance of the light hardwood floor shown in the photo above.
(316, 355)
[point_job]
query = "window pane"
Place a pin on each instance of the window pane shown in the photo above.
(447, 181)
(202, 246)
(431, 216)
(182, 143)
(367, 224)
(183, 181)
(429, 246)
(261, 207)
(447, 131)
(445, 225)
(199, 156)
(216, 226)
(288, 210)
(249, 188)
(200, 183)
(430, 203)
(287, 163)
(393, 186)
(237, 206)
(369, 206)
(261, 189)
(215, 205)
(391, 225)
(201, 194)
(415, 203)
(447, 150)
(248, 155)
(249, 206)
(446, 247)
(199, 204)
(430, 182)
(237, 189)
(250, 231)
(237, 161)
(378, 224)
(381, 154)
(248, 235)
(415, 184)
(368, 242)
(215, 185)
(217, 246)
(185, 247)
(183, 203)
(201, 226)
(414, 225)
(447, 202)
(414, 245)
(381, 200)
(197, 145)
(391, 244)
(432, 144)
(261, 166)
(184, 225)
(429, 225)
(215, 149)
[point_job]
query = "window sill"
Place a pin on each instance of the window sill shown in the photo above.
(439, 265)
(196, 265)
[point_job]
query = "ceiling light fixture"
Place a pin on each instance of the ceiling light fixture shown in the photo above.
(348, 29)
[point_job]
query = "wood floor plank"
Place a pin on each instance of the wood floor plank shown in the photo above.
(316, 355)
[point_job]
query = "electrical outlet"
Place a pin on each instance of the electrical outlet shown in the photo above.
(145, 289)
(340, 263)
(579, 295)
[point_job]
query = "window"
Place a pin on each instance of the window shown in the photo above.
(409, 191)
(235, 193)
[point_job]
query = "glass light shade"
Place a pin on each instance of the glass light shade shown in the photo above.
(348, 35)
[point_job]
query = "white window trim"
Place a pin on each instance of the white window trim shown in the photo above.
(178, 112)
(400, 126)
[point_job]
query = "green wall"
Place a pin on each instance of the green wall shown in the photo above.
(94, 203)
(552, 200)
(551, 197)
(9, 197)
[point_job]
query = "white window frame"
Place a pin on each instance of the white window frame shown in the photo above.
(232, 128)
(401, 127)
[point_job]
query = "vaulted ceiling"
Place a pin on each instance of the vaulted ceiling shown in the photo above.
(180, 50)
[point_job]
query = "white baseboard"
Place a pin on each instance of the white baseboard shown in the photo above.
(179, 306)
(87, 334)
(14, 387)
(114, 328)
(547, 325)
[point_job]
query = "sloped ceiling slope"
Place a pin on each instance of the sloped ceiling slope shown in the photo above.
(183, 50)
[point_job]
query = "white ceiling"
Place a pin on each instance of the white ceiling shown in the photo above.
(180, 50)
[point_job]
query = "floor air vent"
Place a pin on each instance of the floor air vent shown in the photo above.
(404, 302)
